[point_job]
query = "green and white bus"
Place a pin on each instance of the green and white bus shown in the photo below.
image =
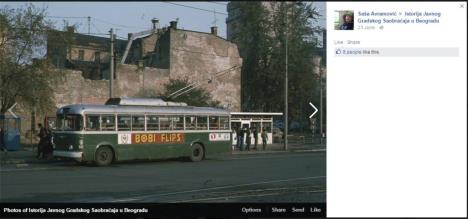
(140, 129)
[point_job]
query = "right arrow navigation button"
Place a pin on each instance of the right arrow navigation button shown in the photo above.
(315, 108)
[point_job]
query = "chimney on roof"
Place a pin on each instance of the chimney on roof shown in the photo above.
(214, 30)
(155, 23)
(70, 29)
(173, 24)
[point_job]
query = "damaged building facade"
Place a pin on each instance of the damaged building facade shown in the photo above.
(146, 62)
(89, 54)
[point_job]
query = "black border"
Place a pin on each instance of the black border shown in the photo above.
(311, 210)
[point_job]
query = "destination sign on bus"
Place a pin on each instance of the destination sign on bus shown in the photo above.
(151, 138)
(220, 136)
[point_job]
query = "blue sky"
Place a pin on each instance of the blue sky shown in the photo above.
(130, 17)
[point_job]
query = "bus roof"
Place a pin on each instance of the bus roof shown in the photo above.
(257, 113)
(170, 110)
(142, 102)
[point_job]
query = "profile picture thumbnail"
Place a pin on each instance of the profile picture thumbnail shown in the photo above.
(344, 20)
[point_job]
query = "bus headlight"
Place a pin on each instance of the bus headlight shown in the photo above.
(81, 144)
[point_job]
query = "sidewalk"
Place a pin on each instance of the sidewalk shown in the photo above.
(279, 148)
(26, 155)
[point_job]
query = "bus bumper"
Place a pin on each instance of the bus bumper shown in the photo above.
(77, 155)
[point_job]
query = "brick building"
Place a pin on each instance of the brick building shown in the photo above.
(152, 60)
(89, 54)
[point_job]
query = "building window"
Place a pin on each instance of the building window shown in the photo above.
(81, 55)
(97, 57)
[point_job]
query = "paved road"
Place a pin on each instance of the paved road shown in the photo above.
(282, 177)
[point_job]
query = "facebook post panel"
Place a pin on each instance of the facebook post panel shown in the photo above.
(397, 125)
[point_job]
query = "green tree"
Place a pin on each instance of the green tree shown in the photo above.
(255, 44)
(23, 78)
(294, 19)
(194, 97)
(261, 40)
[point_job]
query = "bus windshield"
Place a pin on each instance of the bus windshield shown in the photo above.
(69, 122)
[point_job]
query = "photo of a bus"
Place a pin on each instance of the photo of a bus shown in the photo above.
(140, 129)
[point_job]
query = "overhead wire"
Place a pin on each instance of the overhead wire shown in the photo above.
(218, 3)
(192, 7)
(66, 17)
(119, 25)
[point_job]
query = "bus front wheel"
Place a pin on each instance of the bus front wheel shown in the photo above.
(104, 156)
(197, 153)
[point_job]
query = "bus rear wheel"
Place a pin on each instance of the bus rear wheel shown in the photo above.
(197, 153)
(104, 156)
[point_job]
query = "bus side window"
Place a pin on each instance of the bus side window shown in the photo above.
(108, 122)
(165, 123)
(152, 123)
(93, 123)
(202, 122)
(224, 122)
(190, 122)
(138, 122)
(214, 123)
(178, 123)
(123, 122)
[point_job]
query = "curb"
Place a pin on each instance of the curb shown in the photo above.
(12, 162)
(310, 150)
(275, 152)
(23, 161)
(257, 152)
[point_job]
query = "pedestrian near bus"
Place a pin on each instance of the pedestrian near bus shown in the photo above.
(248, 138)
(237, 138)
(264, 138)
(2, 140)
(255, 135)
(47, 147)
(42, 141)
(240, 138)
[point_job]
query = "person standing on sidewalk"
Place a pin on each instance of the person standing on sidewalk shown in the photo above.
(2, 140)
(236, 130)
(47, 148)
(248, 138)
(240, 138)
(264, 138)
(42, 140)
(255, 135)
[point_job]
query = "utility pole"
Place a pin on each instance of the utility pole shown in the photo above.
(111, 79)
(89, 24)
(286, 90)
